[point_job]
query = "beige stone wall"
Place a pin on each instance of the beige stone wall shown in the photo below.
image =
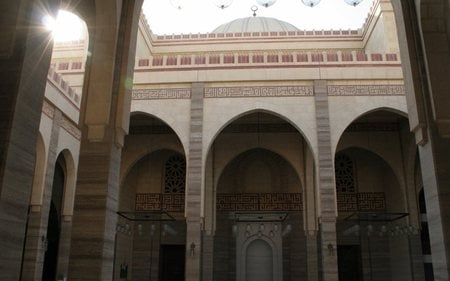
(380, 29)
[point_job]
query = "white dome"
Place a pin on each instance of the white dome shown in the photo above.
(255, 24)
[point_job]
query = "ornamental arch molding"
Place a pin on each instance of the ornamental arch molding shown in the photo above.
(339, 125)
(179, 127)
(380, 139)
(213, 129)
(137, 147)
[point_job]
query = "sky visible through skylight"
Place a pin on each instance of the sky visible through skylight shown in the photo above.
(202, 16)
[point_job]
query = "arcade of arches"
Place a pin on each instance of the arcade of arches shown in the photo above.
(233, 155)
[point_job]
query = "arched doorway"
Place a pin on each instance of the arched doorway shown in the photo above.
(54, 221)
(257, 166)
(151, 228)
(375, 229)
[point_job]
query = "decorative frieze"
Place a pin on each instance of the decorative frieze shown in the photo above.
(292, 35)
(265, 202)
(363, 201)
(155, 94)
(237, 202)
(260, 202)
(246, 92)
(160, 202)
(173, 202)
(347, 202)
(373, 127)
(48, 109)
(366, 90)
(148, 202)
(71, 128)
(374, 201)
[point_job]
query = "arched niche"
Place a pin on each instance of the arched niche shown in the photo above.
(386, 133)
(151, 222)
(256, 159)
(259, 261)
(147, 135)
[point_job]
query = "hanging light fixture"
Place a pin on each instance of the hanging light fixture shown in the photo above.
(222, 3)
(311, 3)
(178, 4)
(266, 3)
(353, 2)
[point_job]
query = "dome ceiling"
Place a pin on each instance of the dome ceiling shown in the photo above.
(255, 24)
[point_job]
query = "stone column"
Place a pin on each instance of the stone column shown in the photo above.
(24, 61)
(104, 117)
(34, 253)
(326, 185)
(435, 165)
(194, 186)
(95, 218)
(424, 50)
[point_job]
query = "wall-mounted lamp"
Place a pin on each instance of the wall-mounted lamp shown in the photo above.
(192, 249)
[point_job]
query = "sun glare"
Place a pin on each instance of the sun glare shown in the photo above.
(66, 27)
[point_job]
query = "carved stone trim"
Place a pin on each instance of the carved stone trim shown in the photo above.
(156, 94)
(247, 92)
(48, 109)
(366, 90)
(71, 128)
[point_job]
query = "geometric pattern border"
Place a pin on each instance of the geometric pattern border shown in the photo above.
(363, 201)
(159, 202)
(157, 94)
(231, 202)
(251, 92)
(366, 90)
(260, 202)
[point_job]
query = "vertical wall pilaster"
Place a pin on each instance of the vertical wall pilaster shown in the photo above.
(194, 186)
(326, 185)
(209, 222)
(310, 214)
(416, 256)
(64, 246)
(208, 257)
(34, 254)
(312, 258)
